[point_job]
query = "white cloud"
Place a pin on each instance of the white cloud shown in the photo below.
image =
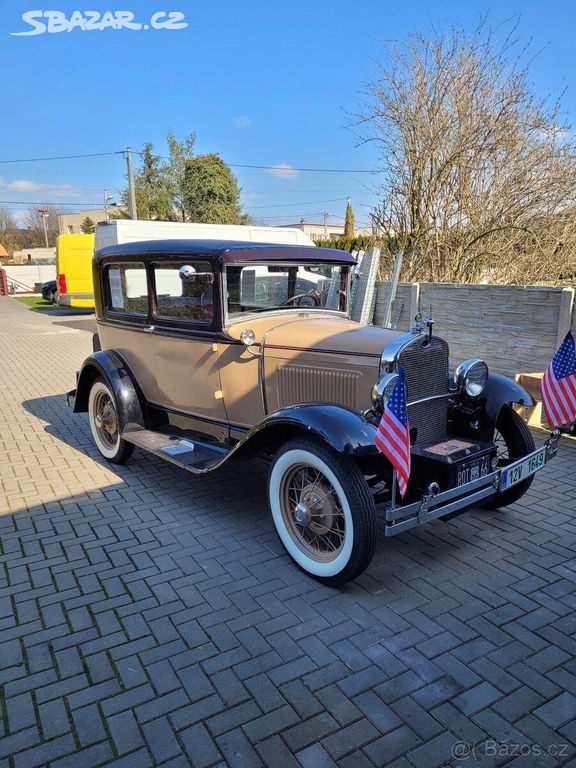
(282, 171)
(25, 185)
(241, 121)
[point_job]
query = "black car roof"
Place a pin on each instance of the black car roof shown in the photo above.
(226, 251)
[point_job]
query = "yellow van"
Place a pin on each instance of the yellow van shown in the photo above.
(74, 271)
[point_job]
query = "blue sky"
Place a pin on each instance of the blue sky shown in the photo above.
(262, 83)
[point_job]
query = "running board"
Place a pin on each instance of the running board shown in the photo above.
(188, 454)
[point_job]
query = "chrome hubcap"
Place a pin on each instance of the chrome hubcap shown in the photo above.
(302, 514)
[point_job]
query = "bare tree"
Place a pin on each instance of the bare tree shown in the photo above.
(479, 173)
(8, 229)
(35, 225)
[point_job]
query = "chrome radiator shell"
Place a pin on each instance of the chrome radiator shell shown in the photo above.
(426, 366)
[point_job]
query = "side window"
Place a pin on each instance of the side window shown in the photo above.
(185, 291)
(126, 289)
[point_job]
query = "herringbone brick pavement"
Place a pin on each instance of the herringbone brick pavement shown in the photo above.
(151, 618)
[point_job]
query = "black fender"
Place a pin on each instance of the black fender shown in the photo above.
(346, 431)
(112, 368)
(500, 391)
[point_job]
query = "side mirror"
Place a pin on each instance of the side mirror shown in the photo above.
(187, 272)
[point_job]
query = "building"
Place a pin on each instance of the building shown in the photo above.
(71, 223)
(35, 256)
(320, 231)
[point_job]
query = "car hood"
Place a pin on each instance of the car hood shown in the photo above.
(317, 333)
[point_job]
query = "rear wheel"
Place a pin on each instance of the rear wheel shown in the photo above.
(103, 415)
(513, 440)
(323, 511)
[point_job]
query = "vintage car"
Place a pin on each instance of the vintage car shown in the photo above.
(209, 350)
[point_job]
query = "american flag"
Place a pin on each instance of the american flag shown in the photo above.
(393, 433)
(559, 385)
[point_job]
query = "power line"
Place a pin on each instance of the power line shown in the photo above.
(302, 215)
(307, 202)
(284, 170)
(278, 168)
(59, 204)
(63, 191)
(62, 157)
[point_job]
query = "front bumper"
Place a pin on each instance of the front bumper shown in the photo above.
(430, 507)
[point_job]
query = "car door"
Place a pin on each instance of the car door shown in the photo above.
(182, 350)
(169, 342)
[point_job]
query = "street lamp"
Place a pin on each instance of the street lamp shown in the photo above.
(44, 213)
(107, 199)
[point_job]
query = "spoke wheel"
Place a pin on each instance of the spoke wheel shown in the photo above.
(323, 510)
(312, 513)
(105, 425)
(502, 450)
(513, 440)
(106, 419)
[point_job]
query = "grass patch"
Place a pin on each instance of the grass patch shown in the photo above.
(37, 303)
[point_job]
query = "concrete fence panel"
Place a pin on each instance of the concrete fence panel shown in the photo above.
(29, 274)
(515, 329)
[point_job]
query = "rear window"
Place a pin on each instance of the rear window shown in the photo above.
(185, 291)
(126, 289)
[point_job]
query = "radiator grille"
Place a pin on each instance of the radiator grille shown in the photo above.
(304, 384)
(426, 369)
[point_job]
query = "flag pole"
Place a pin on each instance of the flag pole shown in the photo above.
(393, 496)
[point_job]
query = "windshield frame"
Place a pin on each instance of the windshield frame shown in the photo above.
(231, 318)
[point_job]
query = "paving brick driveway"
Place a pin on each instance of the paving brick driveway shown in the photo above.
(148, 617)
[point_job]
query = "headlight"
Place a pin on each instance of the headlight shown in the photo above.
(472, 375)
(382, 390)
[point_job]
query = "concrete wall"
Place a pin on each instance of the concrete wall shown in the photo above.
(515, 329)
(28, 275)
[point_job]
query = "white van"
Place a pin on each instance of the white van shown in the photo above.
(130, 231)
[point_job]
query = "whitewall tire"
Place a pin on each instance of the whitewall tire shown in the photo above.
(104, 423)
(323, 510)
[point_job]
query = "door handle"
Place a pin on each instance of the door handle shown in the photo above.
(149, 329)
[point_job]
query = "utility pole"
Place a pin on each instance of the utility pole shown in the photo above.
(44, 217)
(326, 214)
(131, 188)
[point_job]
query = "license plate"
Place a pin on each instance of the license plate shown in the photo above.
(472, 470)
(522, 469)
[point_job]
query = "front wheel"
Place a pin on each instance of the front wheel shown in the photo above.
(323, 511)
(103, 415)
(513, 440)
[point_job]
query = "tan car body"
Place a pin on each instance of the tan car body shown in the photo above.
(307, 357)
(196, 363)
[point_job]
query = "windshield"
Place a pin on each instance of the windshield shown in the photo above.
(261, 288)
